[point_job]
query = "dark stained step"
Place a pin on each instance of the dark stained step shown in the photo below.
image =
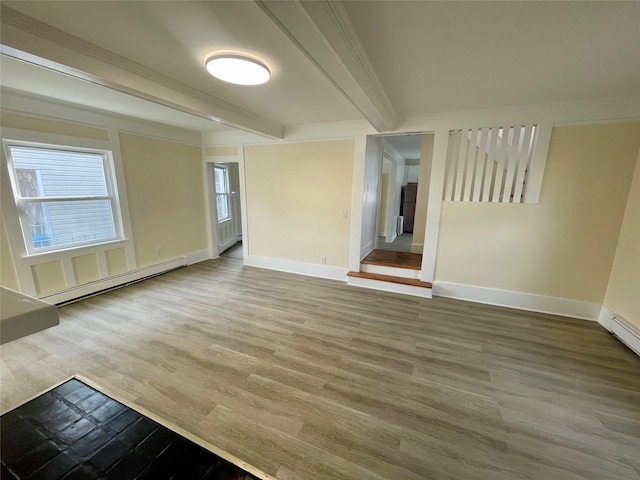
(389, 278)
(388, 258)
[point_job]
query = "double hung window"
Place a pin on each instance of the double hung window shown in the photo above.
(222, 193)
(66, 197)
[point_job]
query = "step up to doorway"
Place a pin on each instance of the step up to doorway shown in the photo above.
(386, 271)
(390, 283)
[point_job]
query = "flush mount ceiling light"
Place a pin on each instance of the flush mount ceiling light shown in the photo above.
(238, 69)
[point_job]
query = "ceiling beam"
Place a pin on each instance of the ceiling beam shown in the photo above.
(323, 32)
(35, 42)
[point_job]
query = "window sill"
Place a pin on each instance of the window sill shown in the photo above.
(78, 248)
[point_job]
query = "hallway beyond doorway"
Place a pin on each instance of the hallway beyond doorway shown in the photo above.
(402, 243)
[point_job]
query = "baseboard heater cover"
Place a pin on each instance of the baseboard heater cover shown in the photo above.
(627, 335)
(114, 282)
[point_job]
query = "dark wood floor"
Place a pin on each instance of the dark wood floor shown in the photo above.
(389, 258)
(307, 378)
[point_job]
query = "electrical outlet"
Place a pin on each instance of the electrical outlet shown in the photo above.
(159, 251)
(345, 213)
(323, 260)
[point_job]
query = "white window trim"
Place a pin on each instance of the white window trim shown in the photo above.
(112, 196)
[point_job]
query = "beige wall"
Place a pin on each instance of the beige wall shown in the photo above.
(8, 277)
(36, 124)
(562, 247)
(422, 200)
(623, 290)
(295, 195)
(166, 197)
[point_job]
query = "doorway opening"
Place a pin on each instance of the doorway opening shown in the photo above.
(397, 179)
(226, 214)
(399, 183)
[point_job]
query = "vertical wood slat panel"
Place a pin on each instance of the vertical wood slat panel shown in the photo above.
(472, 154)
(490, 162)
(498, 180)
(452, 157)
(523, 163)
(462, 157)
(511, 168)
(483, 136)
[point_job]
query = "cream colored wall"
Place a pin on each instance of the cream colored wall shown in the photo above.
(562, 247)
(225, 151)
(623, 290)
(295, 195)
(8, 276)
(166, 197)
(422, 199)
(36, 124)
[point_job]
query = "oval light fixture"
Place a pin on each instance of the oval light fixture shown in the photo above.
(238, 69)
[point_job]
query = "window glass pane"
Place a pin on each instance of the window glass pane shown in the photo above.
(57, 173)
(67, 222)
(223, 207)
(221, 183)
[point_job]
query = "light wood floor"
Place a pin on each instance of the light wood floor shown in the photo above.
(311, 379)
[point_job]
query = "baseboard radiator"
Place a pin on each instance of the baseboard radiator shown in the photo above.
(626, 334)
(103, 285)
(399, 225)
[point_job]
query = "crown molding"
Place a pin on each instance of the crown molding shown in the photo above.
(294, 133)
(36, 42)
(575, 112)
(323, 31)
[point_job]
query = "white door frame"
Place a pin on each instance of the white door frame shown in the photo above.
(212, 217)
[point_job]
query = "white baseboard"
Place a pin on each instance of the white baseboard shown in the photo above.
(605, 318)
(621, 328)
(519, 300)
(124, 278)
(198, 256)
(301, 268)
(390, 287)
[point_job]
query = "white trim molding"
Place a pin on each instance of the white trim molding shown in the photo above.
(300, 268)
(323, 32)
(390, 287)
(620, 328)
(522, 301)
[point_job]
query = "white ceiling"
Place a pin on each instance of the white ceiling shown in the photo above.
(21, 76)
(448, 56)
(408, 146)
(379, 60)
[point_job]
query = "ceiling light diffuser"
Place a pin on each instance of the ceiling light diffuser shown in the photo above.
(238, 69)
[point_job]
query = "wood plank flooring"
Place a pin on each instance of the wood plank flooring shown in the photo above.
(307, 378)
(388, 258)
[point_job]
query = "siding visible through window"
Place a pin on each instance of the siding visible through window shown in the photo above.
(64, 197)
